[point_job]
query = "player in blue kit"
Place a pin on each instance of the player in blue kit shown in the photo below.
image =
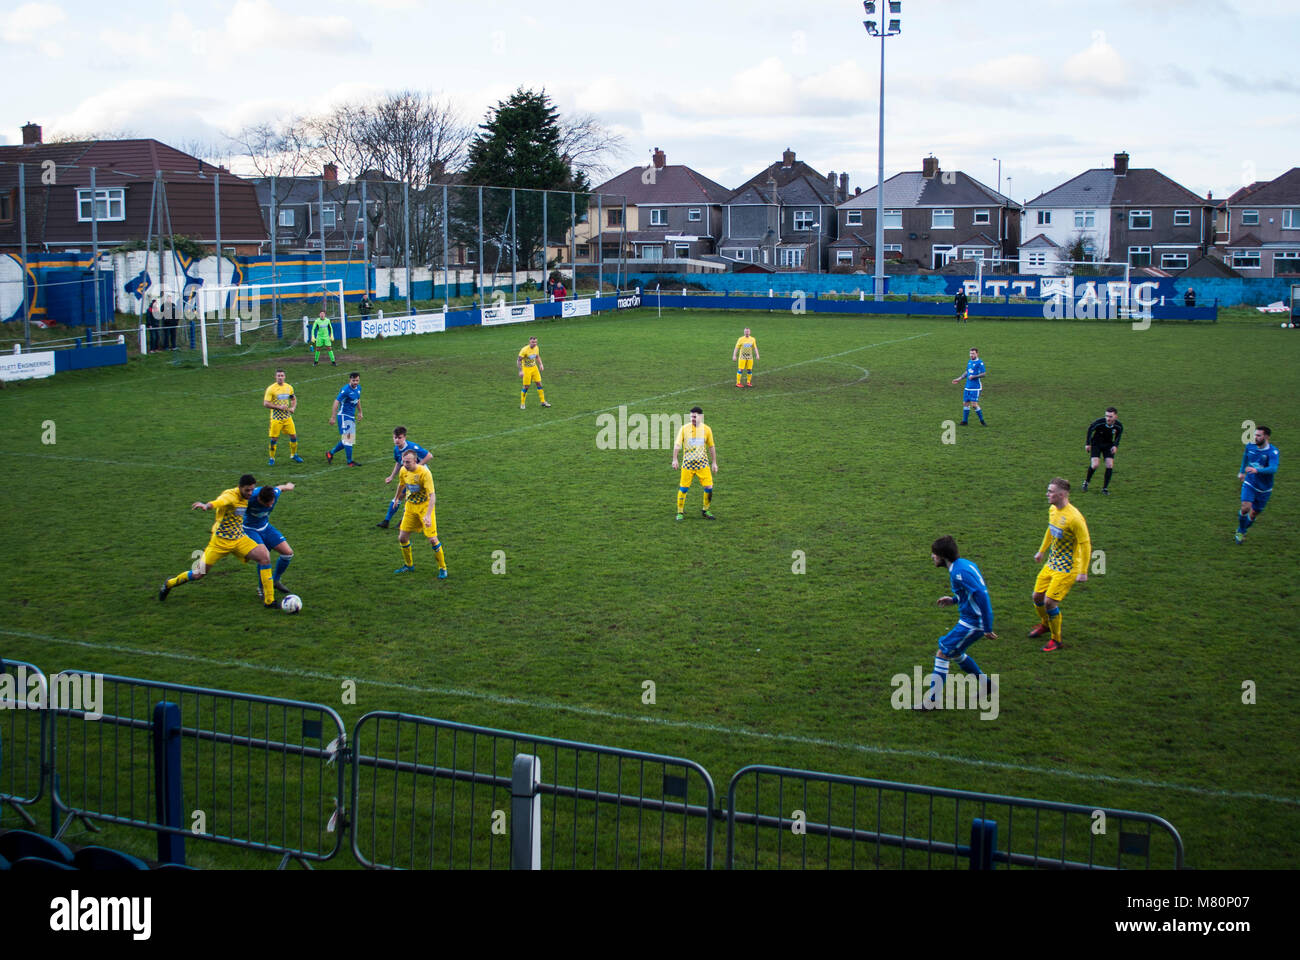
(257, 526)
(400, 446)
(347, 411)
(1258, 467)
(974, 617)
(974, 384)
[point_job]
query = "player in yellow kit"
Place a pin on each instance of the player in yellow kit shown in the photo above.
(696, 440)
(416, 485)
(228, 536)
(1069, 551)
(282, 402)
(747, 349)
(529, 364)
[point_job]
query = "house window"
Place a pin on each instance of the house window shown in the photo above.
(792, 256)
(681, 251)
(893, 219)
(981, 216)
(1035, 259)
(327, 216)
(1182, 218)
(941, 218)
(972, 253)
(659, 217)
(286, 218)
(582, 250)
(1085, 219)
(1291, 219)
(6, 207)
(614, 218)
(1245, 259)
(853, 218)
(652, 252)
(110, 204)
(844, 256)
(803, 219)
(1250, 218)
(468, 254)
(1173, 261)
(1044, 218)
(893, 248)
(1139, 219)
(1286, 262)
(693, 214)
(1139, 256)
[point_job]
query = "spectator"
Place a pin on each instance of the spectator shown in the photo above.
(365, 307)
(169, 321)
(960, 303)
(151, 320)
(558, 291)
(1189, 298)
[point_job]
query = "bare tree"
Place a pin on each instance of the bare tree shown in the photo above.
(84, 136)
(590, 145)
(285, 149)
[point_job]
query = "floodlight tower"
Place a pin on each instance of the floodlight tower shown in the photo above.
(885, 28)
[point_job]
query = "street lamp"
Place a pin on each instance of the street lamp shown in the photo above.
(885, 28)
(999, 162)
(818, 225)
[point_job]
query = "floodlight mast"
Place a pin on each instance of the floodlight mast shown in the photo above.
(891, 28)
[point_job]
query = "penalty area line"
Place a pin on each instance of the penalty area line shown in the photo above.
(550, 706)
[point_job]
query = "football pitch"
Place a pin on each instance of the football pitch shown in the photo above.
(770, 635)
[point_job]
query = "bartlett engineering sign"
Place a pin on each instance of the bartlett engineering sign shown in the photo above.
(26, 366)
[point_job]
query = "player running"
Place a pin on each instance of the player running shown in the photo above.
(974, 384)
(1102, 441)
(747, 348)
(228, 536)
(697, 439)
(257, 524)
(280, 399)
(322, 338)
(1258, 468)
(529, 365)
(417, 488)
(346, 411)
(974, 617)
(1067, 561)
(400, 446)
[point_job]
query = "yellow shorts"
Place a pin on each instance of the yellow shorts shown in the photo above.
(704, 473)
(283, 426)
(1054, 583)
(413, 520)
(745, 364)
(218, 547)
(532, 375)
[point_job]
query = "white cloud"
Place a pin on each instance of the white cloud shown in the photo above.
(256, 24)
(1098, 70)
(33, 24)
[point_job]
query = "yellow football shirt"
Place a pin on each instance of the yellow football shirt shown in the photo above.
(230, 507)
(746, 347)
(529, 356)
(1068, 540)
(279, 393)
(418, 484)
(695, 443)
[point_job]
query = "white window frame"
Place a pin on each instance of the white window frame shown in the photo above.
(971, 253)
(286, 217)
(1085, 219)
(1186, 214)
(804, 219)
(1036, 259)
(1139, 251)
(980, 217)
(658, 216)
(852, 218)
(1044, 218)
(894, 215)
(693, 215)
(1250, 218)
(469, 253)
(1291, 218)
(1240, 258)
(790, 257)
(945, 212)
(1134, 215)
(681, 251)
(843, 256)
(106, 198)
(659, 252)
(1166, 261)
(892, 248)
(1283, 257)
(329, 217)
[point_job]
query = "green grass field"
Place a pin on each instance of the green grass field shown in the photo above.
(838, 452)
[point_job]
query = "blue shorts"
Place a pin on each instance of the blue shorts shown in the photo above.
(1257, 498)
(970, 396)
(347, 425)
(958, 640)
(268, 536)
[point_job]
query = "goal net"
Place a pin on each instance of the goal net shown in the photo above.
(239, 319)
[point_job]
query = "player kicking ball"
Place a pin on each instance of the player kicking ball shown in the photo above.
(417, 489)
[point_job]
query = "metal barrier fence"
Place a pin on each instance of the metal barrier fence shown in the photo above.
(836, 822)
(24, 691)
(239, 769)
(429, 793)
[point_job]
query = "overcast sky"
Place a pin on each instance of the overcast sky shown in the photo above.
(1206, 91)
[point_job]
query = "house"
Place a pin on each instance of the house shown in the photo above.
(660, 213)
(1121, 214)
(65, 214)
(302, 214)
(1260, 223)
(783, 216)
(932, 217)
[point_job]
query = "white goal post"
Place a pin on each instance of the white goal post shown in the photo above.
(241, 305)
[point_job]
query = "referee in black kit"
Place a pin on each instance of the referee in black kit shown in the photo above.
(1102, 442)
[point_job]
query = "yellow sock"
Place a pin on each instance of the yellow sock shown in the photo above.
(180, 578)
(1055, 623)
(1042, 614)
(749, 378)
(271, 449)
(442, 557)
(541, 395)
(268, 586)
(293, 448)
(407, 557)
(523, 397)
(737, 378)
(681, 500)
(708, 498)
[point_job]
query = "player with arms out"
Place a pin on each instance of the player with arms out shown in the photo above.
(400, 446)
(1258, 468)
(280, 399)
(417, 489)
(257, 524)
(322, 338)
(529, 365)
(747, 350)
(974, 384)
(346, 412)
(697, 440)
(1102, 442)
(974, 616)
(1069, 550)
(228, 536)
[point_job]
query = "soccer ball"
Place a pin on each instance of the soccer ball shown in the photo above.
(291, 604)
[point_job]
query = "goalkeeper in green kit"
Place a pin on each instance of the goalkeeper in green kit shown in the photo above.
(322, 338)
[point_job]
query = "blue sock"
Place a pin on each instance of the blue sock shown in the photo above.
(965, 414)
(392, 509)
(348, 451)
(935, 696)
(980, 413)
(968, 664)
(337, 447)
(1246, 521)
(281, 565)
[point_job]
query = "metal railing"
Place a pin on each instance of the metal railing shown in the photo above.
(24, 726)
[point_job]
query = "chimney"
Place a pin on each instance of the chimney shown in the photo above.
(1121, 164)
(660, 159)
(787, 158)
(830, 181)
(31, 133)
(844, 187)
(331, 173)
(857, 191)
(930, 167)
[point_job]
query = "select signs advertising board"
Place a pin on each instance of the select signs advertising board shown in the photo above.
(401, 326)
